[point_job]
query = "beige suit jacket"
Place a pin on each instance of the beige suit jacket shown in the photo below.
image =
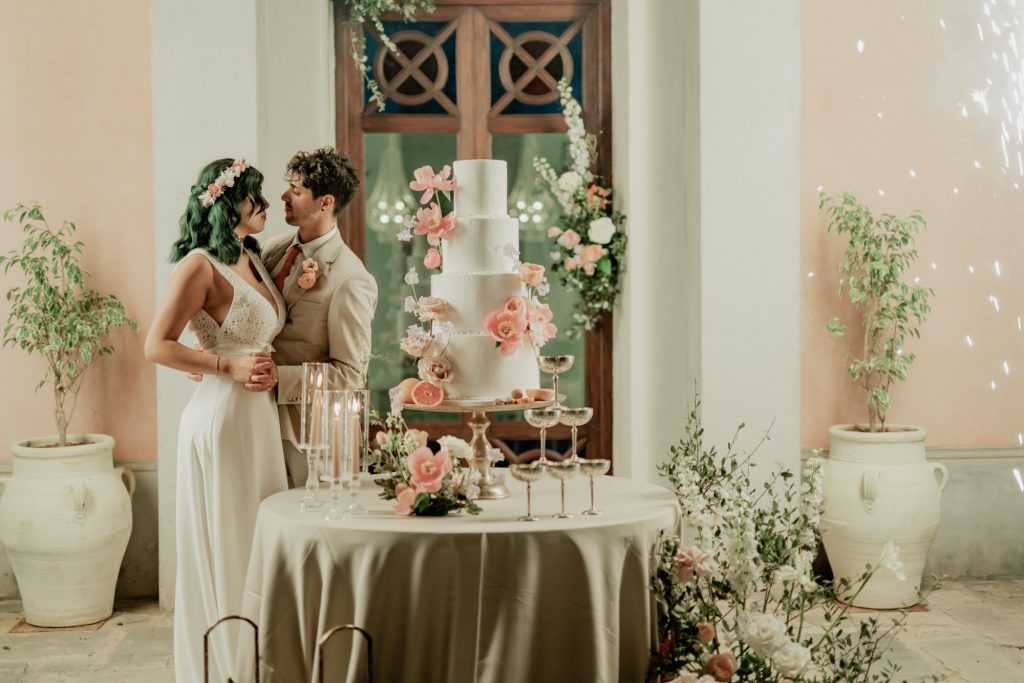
(330, 322)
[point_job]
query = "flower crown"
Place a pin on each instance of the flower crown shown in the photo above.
(225, 179)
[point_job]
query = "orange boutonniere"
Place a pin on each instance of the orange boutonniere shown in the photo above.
(310, 271)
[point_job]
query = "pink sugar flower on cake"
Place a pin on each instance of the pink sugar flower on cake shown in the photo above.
(436, 369)
(430, 308)
(516, 306)
(539, 318)
(507, 330)
(432, 259)
(406, 496)
(531, 274)
(569, 239)
(431, 223)
(416, 342)
(428, 182)
(427, 469)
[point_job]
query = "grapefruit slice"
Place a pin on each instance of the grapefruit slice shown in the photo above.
(426, 394)
(405, 388)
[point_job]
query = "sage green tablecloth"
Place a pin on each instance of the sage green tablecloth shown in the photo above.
(460, 599)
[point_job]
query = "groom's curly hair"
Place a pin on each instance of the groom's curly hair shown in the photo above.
(326, 171)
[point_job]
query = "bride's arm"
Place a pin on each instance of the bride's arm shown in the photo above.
(190, 285)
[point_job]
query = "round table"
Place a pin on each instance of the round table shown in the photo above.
(460, 598)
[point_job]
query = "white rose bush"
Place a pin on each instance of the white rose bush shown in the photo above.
(735, 594)
(590, 247)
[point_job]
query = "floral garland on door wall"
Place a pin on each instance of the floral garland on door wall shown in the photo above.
(590, 250)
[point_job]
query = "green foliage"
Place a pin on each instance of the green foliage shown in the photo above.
(54, 315)
(755, 546)
(360, 11)
(879, 252)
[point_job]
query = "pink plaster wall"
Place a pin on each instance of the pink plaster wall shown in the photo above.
(75, 135)
(903, 125)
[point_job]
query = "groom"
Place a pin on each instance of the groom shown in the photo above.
(330, 296)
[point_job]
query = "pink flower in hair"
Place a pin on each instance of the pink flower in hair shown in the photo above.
(429, 182)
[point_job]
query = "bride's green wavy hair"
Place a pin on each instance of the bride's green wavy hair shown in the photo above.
(213, 228)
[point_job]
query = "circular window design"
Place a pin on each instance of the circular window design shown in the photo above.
(417, 74)
(523, 74)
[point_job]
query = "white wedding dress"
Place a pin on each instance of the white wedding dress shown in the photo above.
(229, 459)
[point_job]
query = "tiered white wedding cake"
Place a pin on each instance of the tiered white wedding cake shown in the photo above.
(477, 279)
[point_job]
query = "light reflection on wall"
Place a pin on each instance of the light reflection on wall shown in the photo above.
(921, 107)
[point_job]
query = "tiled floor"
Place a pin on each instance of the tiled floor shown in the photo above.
(972, 632)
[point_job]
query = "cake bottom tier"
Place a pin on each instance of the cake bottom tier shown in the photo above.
(480, 371)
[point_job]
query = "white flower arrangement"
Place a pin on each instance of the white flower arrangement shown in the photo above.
(733, 604)
(591, 245)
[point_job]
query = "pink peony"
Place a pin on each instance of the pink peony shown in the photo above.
(516, 306)
(307, 280)
(507, 329)
(589, 256)
(691, 561)
(430, 308)
(554, 231)
(437, 370)
(427, 469)
(428, 182)
(429, 222)
(569, 239)
(432, 259)
(721, 666)
(406, 496)
(570, 264)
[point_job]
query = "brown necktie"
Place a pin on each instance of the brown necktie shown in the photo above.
(289, 261)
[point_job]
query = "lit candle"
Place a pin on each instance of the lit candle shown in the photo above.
(357, 437)
(336, 441)
(316, 415)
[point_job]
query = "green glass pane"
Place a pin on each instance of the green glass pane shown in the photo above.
(537, 210)
(390, 161)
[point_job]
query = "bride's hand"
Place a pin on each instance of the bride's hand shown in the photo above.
(264, 377)
(245, 369)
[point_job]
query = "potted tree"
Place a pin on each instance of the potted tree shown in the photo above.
(878, 486)
(65, 513)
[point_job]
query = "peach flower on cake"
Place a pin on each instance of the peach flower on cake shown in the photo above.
(416, 342)
(431, 223)
(516, 306)
(428, 182)
(430, 308)
(427, 469)
(532, 274)
(541, 328)
(432, 259)
(435, 369)
(507, 329)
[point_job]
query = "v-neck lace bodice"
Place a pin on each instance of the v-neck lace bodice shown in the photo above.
(251, 322)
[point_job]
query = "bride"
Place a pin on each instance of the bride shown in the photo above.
(229, 443)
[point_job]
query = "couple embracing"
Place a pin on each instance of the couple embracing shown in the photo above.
(258, 314)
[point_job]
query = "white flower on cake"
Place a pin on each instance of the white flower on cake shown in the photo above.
(430, 308)
(417, 341)
(601, 230)
(456, 447)
(410, 304)
(435, 369)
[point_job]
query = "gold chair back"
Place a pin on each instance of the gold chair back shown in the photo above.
(369, 649)
(206, 646)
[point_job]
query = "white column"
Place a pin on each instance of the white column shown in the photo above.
(236, 78)
(705, 135)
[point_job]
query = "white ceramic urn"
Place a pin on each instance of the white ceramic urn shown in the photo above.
(878, 487)
(65, 519)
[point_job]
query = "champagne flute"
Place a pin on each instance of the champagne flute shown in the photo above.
(593, 468)
(542, 418)
(576, 418)
(313, 437)
(566, 469)
(528, 473)
(555, 365)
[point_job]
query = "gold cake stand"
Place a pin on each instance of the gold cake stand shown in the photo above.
(490, 489)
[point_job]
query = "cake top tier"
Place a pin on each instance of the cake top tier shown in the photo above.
(482, 187)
